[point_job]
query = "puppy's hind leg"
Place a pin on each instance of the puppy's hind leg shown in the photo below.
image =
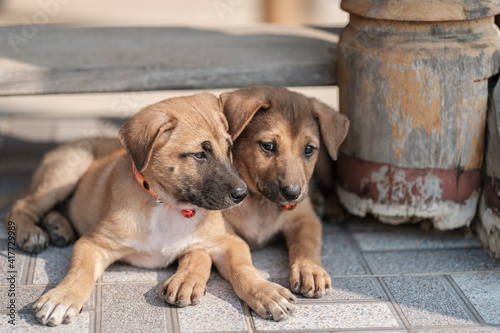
(58, 229)
(53, 181)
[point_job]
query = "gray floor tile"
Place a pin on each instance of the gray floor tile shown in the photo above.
(272, 261)
(369, 224)
(219, 311)
(332, 316)
(483, 329)
(426, 261)
(120, 272)
(338, 254)
(26, 322)
(344, 289)
(425, 301)
(354, 288)
(25, 297)
(52, 265)
(483, 291)
(133, 308)
(401, 239)
(17, 268)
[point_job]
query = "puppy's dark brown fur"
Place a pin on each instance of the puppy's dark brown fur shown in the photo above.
(277, 135)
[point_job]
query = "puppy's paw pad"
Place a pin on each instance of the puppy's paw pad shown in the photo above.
(57, 307)
(52, 314)
(183, 289)
(273, 301)
(310, 280)
(32, 239)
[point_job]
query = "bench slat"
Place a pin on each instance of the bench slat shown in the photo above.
(55, 59)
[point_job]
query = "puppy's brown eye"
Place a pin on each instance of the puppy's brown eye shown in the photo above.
(267, 146)
(309, 150)
(200, 156)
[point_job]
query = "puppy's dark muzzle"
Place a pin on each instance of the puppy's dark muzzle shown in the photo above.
(291, 192)
(238, 194)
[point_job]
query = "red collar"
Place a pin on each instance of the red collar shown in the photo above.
(139, 178)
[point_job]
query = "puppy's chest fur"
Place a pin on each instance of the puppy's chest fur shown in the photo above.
(162, 237)
(259, 229)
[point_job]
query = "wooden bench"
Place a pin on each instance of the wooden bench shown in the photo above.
(56, 60)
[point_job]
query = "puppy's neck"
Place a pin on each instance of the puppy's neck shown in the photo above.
(147, 186)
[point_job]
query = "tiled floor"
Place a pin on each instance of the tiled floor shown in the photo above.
(385, 278)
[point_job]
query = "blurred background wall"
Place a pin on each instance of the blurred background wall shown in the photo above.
(176, 12)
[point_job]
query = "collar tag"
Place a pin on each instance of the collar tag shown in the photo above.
(188, 213)
(289, 207)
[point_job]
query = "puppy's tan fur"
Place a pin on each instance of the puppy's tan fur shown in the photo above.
(291, 122)
(118, 220)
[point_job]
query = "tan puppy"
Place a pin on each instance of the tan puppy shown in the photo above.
(277, 136)
(181, 151)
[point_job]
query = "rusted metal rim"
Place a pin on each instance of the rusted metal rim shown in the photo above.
(391, 184)
(411, 10)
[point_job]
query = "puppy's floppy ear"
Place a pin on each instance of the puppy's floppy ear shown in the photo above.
(333, 126)
(140, 134)
(240, 106)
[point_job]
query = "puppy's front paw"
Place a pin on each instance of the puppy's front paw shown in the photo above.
(184, 289)
(58, 306)
(310, 279)
(31, 238)
(272, 301)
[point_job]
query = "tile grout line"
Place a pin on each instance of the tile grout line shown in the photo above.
(353, 330)
(30, 270)
(92, 316)
(169, 320)
(447, 328)
(454, 248)
(174, 315)
(98, 309)
(248, 317)
(342, 301)
(394, 307)
(465, 303)
(367, 276)
(354, 244)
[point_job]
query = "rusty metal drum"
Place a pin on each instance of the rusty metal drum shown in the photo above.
(413, 81)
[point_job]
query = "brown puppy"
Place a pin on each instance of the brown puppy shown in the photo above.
(181, 151)
(277, 135)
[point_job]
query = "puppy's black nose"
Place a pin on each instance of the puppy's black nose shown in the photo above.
(291, 192)
(238, 194)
